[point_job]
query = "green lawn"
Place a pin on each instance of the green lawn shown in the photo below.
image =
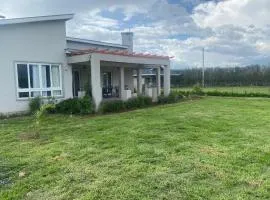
(242, 89)
(213, 148)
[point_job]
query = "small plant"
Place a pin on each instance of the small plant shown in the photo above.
(39, 114)
(35, 104)
(197, 90)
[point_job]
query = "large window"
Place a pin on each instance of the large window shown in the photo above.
(38, 80)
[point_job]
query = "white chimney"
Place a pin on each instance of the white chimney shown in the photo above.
(127, 40)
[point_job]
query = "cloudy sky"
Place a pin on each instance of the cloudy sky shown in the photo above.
(233, 32)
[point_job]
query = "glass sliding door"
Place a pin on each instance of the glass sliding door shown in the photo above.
(76, 83)
(107, 84)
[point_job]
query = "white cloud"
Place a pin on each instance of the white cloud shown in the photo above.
(240, 13)
(93, 18)
(240, 28)
(232, 31)
(263, 46)
(19, 8)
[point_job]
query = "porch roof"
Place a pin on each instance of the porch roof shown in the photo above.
(120, 56)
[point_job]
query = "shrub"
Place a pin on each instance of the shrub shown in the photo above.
(162, 99)
(75, 106)
(35, 104)
(183, 94)
(86, 105)
(197, 90)
(172, 98)
(112, 106)
(132, 103)
(138, 102)
(144, 101)
(69, 106)
(50, 108)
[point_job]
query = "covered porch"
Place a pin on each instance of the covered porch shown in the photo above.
(110, 75)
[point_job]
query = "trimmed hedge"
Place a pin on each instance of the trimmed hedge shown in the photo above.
(85, 105)
(223, 94)
(75, 106)
(119, 105)
(138, 102)
(232, 94)
(112, 106)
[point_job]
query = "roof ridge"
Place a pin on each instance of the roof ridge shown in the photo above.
(82, 40)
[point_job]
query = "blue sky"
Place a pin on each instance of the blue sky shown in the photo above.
(233, 32)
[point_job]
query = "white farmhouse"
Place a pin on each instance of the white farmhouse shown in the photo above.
(38, 59)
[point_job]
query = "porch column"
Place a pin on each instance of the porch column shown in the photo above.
(139, 81)
(122, 81)
(95, 80)
(158, 81)
(167, 80)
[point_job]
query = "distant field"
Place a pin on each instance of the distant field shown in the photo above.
(244, 89)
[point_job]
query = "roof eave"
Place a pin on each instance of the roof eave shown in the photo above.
(64, 17)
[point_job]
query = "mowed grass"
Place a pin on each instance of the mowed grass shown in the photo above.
(240, 89)
(213, 148)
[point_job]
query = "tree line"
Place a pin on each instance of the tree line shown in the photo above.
(256, 75)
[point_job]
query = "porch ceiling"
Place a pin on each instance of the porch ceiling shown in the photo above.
(128, 65)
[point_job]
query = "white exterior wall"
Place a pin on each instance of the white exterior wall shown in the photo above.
(30, 42)
(129, 78)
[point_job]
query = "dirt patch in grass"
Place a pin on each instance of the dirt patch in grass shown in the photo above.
(212, 151)
(29, 136)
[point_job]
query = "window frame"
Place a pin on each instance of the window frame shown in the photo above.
(41, 89)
